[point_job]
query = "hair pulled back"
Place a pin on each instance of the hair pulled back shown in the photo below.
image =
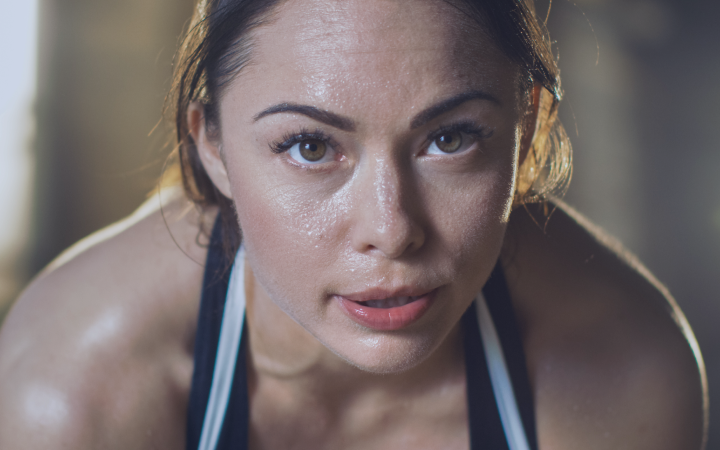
(217, 46)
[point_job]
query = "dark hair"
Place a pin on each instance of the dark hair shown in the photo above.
(217, 47)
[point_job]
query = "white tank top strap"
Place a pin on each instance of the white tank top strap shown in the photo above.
(227, 351)
(500, 378)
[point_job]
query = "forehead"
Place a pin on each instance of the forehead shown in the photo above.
(341, 53)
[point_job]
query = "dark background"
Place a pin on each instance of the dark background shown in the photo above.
(642, 109)
(643, 116)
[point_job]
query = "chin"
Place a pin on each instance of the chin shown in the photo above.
(385, 354)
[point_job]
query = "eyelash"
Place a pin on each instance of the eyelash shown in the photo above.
(290, 139)
(469, 128)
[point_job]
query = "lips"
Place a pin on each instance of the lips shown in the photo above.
(377, 310)
(392, 302)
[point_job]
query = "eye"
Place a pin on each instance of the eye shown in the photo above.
(307, 148)
(456, 139)
(447, 142)
(311, 151)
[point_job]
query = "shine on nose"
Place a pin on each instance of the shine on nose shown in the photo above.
(387, 210)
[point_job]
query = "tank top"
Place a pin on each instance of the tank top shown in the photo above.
(499, 399)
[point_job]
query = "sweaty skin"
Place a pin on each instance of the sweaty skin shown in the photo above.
(383, 212)
(97, 352)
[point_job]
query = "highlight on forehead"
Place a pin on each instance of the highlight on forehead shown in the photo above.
(360, 20)
(311, 32)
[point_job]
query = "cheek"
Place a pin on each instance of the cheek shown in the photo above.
(472, 207)
(292, 235)
(470, 217)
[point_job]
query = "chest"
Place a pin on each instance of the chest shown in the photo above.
(284, 419)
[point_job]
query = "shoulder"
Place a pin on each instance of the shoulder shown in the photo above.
(102, 340)
(613, 362)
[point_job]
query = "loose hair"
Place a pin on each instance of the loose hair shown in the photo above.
(217, 46)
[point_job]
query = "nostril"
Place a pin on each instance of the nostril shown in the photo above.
(393, 240)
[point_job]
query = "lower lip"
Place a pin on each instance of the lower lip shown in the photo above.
(385, 319)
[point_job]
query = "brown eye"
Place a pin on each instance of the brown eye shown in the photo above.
(312, 149)
(449, 142)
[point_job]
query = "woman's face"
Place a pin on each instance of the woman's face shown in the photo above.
(371, 148)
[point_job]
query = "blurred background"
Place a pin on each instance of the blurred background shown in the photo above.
(83, 84)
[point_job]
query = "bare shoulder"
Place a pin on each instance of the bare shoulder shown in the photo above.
(97, 352)
(613, 361)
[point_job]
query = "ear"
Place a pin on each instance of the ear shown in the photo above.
(208, 149)
(530, 123)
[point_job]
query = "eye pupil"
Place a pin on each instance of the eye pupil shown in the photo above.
(312, 149)
(449, 142)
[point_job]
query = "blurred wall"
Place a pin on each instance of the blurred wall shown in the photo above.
(641, 109)
(642, 87)
(104, 70)
(18, 44)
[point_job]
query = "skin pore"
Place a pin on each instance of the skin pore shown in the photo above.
(338, 144)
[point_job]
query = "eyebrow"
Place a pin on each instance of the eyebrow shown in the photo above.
(347, 124)
(449, 104)
(321, 115)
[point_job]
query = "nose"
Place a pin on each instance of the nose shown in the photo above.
(387, 212)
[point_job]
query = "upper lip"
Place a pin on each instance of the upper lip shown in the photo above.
(379, 293)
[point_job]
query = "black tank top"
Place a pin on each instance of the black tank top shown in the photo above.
(484, 423)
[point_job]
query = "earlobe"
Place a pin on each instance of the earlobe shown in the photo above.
(209, 150)
(530, 124)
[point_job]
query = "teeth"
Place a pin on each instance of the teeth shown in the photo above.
(391, 302)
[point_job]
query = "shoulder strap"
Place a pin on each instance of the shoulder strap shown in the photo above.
(219, 391)
(227, 354)
(500, 378)
(505, 358)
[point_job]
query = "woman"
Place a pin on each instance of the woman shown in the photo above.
(395, 287)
